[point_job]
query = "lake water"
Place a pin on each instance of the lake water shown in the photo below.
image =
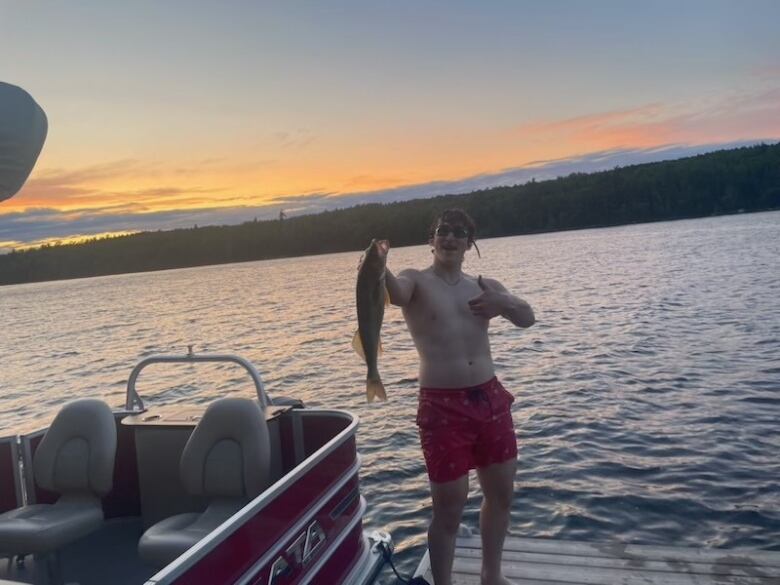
(647, 394)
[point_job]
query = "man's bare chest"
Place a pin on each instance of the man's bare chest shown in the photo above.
(439, 300)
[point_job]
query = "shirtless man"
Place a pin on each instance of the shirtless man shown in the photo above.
(464, 413)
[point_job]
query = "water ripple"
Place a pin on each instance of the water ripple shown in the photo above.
(647, 395)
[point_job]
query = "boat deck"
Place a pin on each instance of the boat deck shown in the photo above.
(532, 561)
(107, 556)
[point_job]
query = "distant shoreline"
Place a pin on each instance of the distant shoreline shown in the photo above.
(728, 182)
(358, 250)
(597, 227)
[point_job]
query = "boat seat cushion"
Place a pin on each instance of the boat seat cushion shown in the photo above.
(45, 527)
(171, 537)
(77, 452)
(228, 454)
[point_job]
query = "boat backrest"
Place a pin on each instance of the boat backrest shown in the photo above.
(77, 452)
(228, 454)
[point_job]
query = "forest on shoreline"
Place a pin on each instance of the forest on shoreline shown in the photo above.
(731, 181)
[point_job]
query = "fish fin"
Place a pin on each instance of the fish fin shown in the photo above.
(375, 390)
(387, 297)
(357, 345)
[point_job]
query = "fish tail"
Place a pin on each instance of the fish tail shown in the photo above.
(375, 390)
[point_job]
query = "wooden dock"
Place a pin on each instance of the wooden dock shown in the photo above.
(534, 561)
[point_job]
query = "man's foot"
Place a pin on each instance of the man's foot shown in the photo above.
(500, 580)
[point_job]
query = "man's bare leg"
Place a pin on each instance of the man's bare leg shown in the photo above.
(498, 483)
(448, 501)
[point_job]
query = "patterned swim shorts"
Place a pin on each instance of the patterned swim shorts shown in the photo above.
(465, 428)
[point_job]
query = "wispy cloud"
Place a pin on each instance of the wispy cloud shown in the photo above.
(299, 138)
(733, 117)
(98, 185)
(594, 123)
(297, 199)
(767, 72)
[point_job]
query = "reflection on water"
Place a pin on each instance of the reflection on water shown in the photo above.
(647, 393)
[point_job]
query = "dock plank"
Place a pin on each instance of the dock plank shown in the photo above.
(622, 550)
(605, 576)
(531, 561)
(586, 562)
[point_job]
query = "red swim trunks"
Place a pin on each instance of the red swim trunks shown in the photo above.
(465, 428)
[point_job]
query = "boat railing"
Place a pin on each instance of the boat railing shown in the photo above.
(133, 402)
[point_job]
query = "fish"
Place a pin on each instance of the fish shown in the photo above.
(371, 296)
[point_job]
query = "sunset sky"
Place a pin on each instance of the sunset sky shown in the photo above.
(167, 114)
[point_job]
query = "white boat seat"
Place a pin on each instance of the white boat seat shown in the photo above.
(75, 459)
(227, 459)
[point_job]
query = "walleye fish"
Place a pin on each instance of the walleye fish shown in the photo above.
(371, 297)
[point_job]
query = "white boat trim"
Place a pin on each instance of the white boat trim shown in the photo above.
(424, 566)
(182, 563)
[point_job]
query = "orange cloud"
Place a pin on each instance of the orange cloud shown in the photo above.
(735, 117)
(121, 183)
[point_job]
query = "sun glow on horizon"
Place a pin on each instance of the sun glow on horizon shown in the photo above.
(14, 246)
(334, 167)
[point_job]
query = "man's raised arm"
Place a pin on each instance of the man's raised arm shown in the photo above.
(518, 311)
(401, 287)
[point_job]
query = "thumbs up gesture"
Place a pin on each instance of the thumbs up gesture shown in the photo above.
(491, 302)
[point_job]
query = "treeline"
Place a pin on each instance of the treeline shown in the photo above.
(724, 182)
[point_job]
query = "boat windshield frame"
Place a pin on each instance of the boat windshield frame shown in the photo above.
(133, 402)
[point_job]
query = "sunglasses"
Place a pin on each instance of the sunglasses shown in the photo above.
(457, 231)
